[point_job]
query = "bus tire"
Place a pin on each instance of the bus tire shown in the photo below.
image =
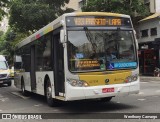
(106, 99)
(24, 92)
(51, 101)
(9, 84)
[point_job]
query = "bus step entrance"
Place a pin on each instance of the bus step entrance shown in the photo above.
(60, 98)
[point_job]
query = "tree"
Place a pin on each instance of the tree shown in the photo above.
(3, 4)
(8, 42)
(30, 15)
(134, 8)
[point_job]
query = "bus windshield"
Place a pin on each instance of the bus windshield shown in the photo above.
(101, 50)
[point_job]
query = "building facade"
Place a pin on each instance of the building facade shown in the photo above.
(148, 34)
(153, 5)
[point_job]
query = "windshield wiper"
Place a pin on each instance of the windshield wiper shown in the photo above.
(90, 39)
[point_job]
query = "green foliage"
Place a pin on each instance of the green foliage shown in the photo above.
(134, 8)
(3, 4)
(26, 17)
(1, 33)
(30, 15)
(8, 42)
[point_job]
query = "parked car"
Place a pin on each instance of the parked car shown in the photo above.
(4, 71)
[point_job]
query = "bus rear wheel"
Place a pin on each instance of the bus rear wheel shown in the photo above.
(24, 92)
(51, 102)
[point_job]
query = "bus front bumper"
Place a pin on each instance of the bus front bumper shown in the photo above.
(94, 92)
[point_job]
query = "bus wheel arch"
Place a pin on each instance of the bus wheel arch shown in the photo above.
(46, 79)
(48, 92)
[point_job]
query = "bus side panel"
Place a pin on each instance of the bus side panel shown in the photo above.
(27, 80)
(17, 79)
(40, 79)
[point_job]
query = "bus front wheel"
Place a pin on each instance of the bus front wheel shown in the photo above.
(51, 102)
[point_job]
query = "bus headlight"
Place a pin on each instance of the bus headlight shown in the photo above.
(134, 77)
(131, 78)
(77, 83)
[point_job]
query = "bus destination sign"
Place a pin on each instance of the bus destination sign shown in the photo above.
(98, 21)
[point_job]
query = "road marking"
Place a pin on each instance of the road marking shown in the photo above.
(20, 95)
(3, 99)
(141, 93)
(141, 99)
(143, 82)
(38, 105)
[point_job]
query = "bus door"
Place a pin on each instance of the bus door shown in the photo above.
(58, 58)
(32, 73)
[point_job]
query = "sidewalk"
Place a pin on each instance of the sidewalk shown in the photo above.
(149, 78)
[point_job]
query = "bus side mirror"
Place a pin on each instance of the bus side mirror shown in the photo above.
(137, 44)
(136, 39)
(62, 36)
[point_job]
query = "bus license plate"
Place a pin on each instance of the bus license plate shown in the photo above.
(106, 90)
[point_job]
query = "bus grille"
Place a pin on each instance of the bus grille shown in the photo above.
(3, 75)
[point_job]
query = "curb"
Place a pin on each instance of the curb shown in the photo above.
(148, 78)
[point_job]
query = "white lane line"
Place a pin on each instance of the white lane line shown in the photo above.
(143, 82)
(20, 95)
(38, 105)
(3, 99)
(141, 99)
(141, 93)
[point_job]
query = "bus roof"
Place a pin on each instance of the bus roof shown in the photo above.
(59, 22)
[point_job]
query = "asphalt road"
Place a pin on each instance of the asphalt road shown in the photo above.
(147, 101)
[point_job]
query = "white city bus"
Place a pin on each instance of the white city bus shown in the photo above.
(84, 55)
